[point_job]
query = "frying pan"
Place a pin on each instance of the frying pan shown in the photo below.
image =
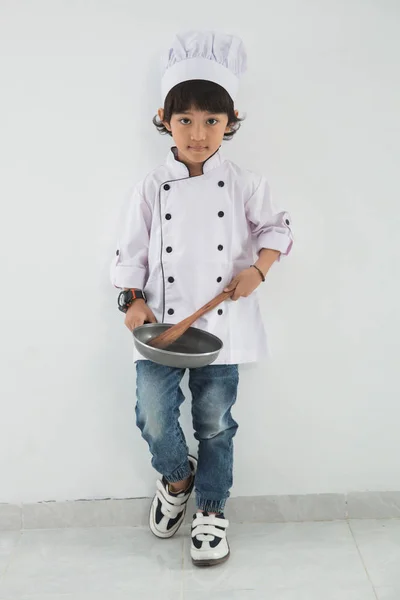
(181, 345)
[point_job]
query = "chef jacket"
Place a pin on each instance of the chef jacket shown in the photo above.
(183, 239)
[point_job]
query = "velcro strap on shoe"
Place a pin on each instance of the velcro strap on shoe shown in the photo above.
(210, 520)
(208, 530)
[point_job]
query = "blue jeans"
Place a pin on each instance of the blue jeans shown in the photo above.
(214, 391)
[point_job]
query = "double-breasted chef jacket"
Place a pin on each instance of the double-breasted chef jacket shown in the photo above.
(183, 239)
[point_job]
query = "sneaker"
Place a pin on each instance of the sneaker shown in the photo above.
(168, 508)
(209, 544)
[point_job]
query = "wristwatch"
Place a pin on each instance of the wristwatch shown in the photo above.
(127, 297)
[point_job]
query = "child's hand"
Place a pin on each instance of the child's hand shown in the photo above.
(244, 283)
(137, 314)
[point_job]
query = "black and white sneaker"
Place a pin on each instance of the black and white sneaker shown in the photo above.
(168, 509)
(209, 544)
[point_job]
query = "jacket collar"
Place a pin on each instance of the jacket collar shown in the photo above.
(180, 170)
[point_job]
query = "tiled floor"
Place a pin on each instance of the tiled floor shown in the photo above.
(359, 560)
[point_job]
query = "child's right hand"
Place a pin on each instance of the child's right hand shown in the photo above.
(137, 314)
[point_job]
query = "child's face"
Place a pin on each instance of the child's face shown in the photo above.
(197, 134)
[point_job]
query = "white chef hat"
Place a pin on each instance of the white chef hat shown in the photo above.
(220, 58)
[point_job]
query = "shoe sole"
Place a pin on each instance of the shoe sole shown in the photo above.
(211, 563)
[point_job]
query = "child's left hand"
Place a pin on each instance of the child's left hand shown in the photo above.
(244, 283)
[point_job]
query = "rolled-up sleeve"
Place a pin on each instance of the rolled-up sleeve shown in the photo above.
(129, 268)
(270, 227)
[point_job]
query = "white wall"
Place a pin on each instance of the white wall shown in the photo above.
(79, 86)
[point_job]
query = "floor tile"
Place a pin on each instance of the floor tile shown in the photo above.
(379, 545)
(286, 556)
(149, 595)
(8, 543)
(388, 593)
(118, 560)
(279, 561)
(361, 593)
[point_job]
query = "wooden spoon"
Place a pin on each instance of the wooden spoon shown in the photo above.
(173, 333)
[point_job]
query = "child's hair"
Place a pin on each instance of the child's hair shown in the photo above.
(201, 95)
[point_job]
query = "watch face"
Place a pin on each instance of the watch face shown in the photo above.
(126, 297)
(122, 298)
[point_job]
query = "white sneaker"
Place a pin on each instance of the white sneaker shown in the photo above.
(168, 509)
(209, 544)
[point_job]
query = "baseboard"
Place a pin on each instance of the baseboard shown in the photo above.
(133, 512)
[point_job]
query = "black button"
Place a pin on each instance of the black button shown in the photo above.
(168, 217)
(167, 187)
(287, 222)
(169, 249)
(117, 253)
(171, 279)
(221, 183)
(220, 247)
(171, 311)
(221, 213)
(220, 311)
(219, 279)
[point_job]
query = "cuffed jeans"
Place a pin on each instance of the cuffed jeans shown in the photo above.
(214, 392)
